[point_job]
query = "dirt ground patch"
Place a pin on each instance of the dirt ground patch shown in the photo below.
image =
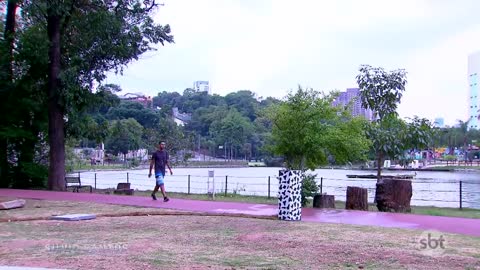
(37, 209)
(202, 242)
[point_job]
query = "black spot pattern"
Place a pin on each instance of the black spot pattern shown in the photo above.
(289, 197)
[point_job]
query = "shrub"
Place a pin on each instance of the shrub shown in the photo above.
(309, 187)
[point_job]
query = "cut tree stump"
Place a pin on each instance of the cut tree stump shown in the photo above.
(323, 201)
(394, 195)
(12, 204)
(123, 188)
(357, 198)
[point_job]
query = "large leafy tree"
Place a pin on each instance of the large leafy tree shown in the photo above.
(307, 130)
(203, 118)
(382, 91)
(245, 102)
(125, 136)
(86, 39)
(419, 133)
(387, 138)
(167, 131)
(148, 118)
(22, 75)
(166, 100)
(233, 130)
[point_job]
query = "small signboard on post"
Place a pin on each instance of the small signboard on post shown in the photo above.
(211, 184)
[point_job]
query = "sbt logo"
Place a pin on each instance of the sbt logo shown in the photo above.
(431, 243)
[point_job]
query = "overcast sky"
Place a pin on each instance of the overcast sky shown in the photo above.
(271, 46)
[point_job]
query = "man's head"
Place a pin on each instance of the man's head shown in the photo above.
(161, 145)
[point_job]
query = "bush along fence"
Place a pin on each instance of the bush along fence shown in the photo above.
(426, 192)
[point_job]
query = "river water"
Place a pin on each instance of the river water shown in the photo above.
(440, 189)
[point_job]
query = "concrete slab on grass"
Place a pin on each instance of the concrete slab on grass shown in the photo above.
(74, 217)
(12, 204)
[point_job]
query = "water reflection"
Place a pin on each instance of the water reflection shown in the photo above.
(471, 194)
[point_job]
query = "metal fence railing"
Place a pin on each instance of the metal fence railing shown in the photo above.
(426, 192)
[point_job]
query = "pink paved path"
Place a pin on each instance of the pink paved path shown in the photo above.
(465, 226)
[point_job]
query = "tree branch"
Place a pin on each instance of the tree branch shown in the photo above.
(151, 6)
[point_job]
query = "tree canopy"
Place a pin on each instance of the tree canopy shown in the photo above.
(307, 130)
(381, 91)
(51, 58)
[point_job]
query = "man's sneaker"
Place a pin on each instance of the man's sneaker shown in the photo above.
(166, 199)
(154, 197)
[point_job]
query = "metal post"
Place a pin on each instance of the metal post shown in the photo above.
(78, 174)
(321, 185)
(269, 187)
(189, 184)
(460, 193)
(95, 181)
(226, 183)
(127, 177)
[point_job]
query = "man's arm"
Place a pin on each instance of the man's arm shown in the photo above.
(168, 165)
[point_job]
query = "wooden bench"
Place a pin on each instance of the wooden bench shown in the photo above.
(75, 183)
(123, 188)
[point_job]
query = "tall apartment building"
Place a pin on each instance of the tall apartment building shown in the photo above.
(473, 84)
(201, 86)
(352, 95)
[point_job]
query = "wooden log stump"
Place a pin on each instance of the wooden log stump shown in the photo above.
(393, 195)
(357, 198)
(324, 201)
(123, 188)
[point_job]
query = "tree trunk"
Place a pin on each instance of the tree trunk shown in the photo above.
(56, 125)
(379, 167)
(323, 201)
(9, 34)
(357, 199)
(7, 68)
(394, 195)
(4, 168)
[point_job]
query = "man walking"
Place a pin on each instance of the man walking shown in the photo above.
(160, 160)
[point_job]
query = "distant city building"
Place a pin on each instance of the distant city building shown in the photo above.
(138, 97)
(180, 118)
(439, 122)
(351, 98)
(201, 86)
(473, 83)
